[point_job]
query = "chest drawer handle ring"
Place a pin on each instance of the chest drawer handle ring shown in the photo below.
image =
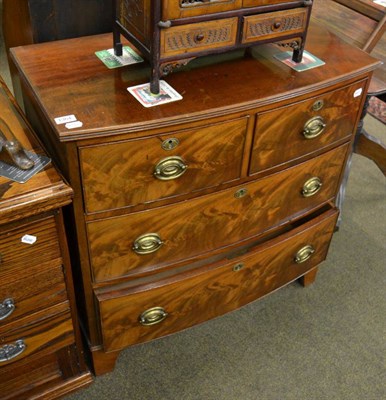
(170, 168)
(10, 351)
(7, 307)
(153, 316)
(311, 187)
(148, 243)
(304, 254)
(313, 127)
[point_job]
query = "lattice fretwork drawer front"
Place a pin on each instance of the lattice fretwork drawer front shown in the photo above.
(193, 38)
(275, 24)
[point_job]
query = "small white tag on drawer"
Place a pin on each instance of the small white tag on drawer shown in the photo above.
(29, 239)
(65, 119)
(75, 124)
(358, 92)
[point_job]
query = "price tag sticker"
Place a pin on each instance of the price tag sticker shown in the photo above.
(75, 124)
(29, 239)
(65, 119)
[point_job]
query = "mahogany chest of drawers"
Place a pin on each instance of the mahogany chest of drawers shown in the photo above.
(170, 33)
(41, 352)
(189, 210)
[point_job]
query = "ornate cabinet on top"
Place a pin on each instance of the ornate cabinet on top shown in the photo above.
(170, 33)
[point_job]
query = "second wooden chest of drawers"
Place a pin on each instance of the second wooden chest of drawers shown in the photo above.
(41, 352)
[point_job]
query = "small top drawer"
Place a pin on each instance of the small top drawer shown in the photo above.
(203, 36)
(294, 131)
(274, 24)
(28, 245)
(173, 9)
(134, 172)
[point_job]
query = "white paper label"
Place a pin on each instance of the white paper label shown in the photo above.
(65, 119)
(72, 125)
(29, 239)
(358, 92)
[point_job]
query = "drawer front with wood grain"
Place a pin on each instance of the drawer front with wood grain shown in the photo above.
(274, 25)
(28, 245)
(36, 340)
(140, 171)
(203, 36)
(174, 9)
(153, 239)
(140, 313)
(41, 286)
(16, 378)
(291, 132)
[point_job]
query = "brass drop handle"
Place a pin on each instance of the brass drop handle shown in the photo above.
(152, 316)
(313, 127)
(170, 168)
(147, 243)
(311, 187)
(10, 351)
(7, 307)
(304, 254)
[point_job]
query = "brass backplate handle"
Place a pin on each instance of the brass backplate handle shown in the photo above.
(313, 127)
(10, 351)
(147, 243)
(170, 168)
(152, 316)
(304, 254)
(7, 307)
(311, 186)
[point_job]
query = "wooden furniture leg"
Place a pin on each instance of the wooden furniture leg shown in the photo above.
(103, 362)
(308, 278)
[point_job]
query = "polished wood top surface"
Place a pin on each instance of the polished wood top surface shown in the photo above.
(44, 190)
(67, 78)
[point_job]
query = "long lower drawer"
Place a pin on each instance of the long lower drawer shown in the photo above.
(142, 312)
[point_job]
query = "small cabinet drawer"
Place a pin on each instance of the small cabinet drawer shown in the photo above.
(140, 171)
(42, 286)
(194, 38)
(274, 25)
(39, 339)
(258, 3)
(20, 253)
(146, 241)
(291, 132)
(140, 313)
(174, 9)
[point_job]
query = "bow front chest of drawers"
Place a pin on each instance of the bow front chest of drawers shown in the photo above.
(41, 354)
(191, 209)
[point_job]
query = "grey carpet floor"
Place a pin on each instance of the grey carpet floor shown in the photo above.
(324, 342)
